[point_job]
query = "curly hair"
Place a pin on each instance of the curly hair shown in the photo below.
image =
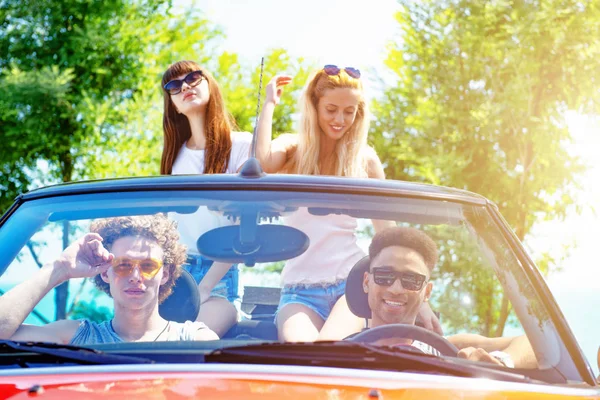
(412, 238)
(154, 227)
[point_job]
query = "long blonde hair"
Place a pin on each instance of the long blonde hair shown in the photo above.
(351, 158)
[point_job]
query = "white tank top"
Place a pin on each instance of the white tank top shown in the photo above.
(332, 252)
(192, 226)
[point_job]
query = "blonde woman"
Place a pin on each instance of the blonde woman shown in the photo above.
(332, 140)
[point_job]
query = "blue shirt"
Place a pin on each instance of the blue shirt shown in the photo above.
(90, 332)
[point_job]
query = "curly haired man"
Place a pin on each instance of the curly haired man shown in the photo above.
(135, 260)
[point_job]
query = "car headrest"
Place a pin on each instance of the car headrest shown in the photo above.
(355, 295)
(184, 302)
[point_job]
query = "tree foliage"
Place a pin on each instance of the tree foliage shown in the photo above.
(478, 102)
(81, 88)
(64, 66)
(240, 84)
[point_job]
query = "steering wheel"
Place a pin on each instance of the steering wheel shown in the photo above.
(438, 342)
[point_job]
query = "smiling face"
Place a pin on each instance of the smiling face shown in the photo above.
(133, 291)
(337, 110)
(191, 100)
(394, 304)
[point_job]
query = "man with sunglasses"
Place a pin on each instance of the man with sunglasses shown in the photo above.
(135, 260)
(398, 282)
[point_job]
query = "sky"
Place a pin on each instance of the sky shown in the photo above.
(355, 33)
(342, 32)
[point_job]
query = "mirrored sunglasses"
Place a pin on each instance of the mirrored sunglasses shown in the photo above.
(333, 70)
(386, 276)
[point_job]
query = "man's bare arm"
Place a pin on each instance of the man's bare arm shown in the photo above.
(17, 304)
(205, 334)
(521, 352)
(517, 347)
(84, 258)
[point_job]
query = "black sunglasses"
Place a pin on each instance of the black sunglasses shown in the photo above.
(193, 79)
(334, 70)
(386, 276)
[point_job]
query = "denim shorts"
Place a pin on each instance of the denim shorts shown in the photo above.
(319, 298)
(227, 287)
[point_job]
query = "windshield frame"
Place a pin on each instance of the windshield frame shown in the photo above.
(558, 319)
(330, 186)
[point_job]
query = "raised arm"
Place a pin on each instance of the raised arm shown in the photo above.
(84, 258)
(271, 154)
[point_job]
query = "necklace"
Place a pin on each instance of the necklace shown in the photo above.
(161, 332)
(155, 339)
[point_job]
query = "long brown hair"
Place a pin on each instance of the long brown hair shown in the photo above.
(176, 126)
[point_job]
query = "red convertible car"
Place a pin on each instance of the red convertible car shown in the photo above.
(484, 283)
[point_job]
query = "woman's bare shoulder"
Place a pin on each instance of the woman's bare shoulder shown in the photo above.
(370, 153)
(373, 163)
(286, 141)
(288, 138)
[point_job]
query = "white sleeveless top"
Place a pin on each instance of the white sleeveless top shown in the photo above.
(188, 161)
(332, 252)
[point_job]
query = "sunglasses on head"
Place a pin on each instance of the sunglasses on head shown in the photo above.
(192, 79)
(386, 276)
(124, 266)
(333, 70)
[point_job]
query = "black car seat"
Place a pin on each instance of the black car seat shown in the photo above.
(184, 305)
(355, 295)
(184, 302)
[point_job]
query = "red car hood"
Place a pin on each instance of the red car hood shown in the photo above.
(235, 381)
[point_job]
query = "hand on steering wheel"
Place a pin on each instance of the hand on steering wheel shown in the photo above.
(406, 331)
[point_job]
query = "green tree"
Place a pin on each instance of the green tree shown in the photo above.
(478, 102)
(81, 89)
(79, 83)
(240, 85)
(133, 147)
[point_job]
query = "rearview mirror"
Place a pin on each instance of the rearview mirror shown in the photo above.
(252, 244)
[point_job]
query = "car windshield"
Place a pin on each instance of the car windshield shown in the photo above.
(304, 241)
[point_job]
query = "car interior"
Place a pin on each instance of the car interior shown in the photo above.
(471, 247)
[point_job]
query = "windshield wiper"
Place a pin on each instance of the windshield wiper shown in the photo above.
(357, 356)
(26, 353)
